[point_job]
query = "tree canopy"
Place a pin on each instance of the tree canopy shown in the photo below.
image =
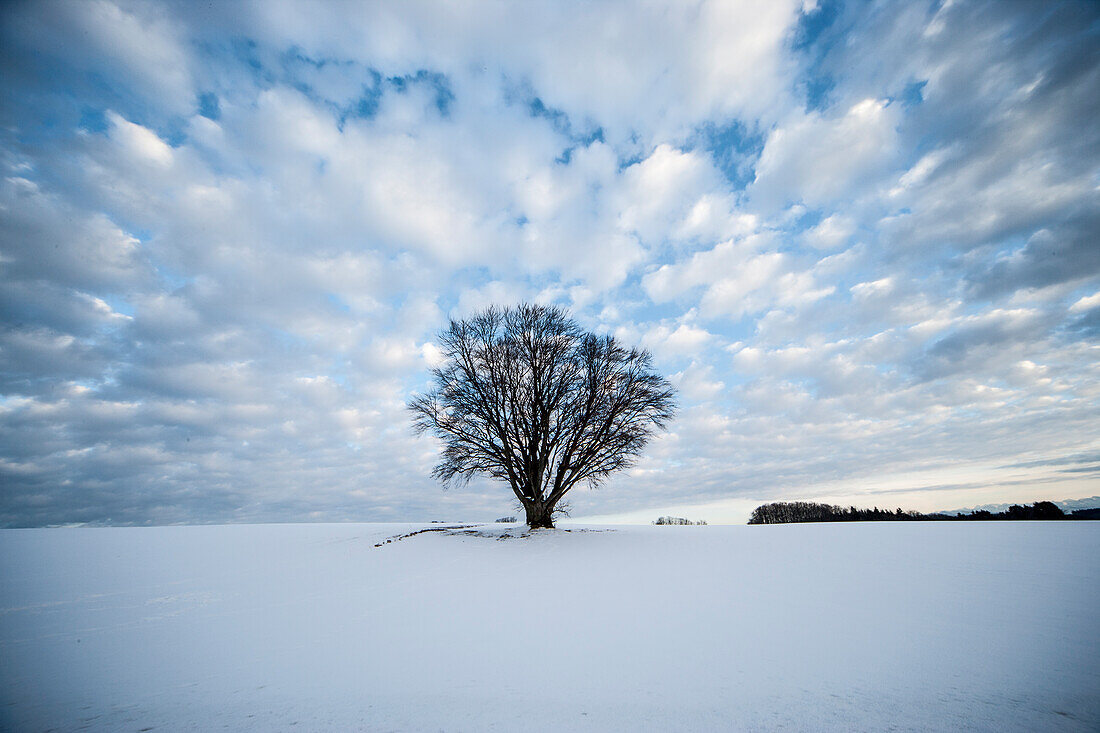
(525, 396)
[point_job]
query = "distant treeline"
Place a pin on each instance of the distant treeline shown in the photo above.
(677, 520)
(784, 512)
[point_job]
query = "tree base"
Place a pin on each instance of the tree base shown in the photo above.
(540, 517)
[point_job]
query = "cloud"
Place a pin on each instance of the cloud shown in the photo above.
(816, 159)
(685, 340)
(711, 60)
(1086, 303)
(139, 46)
(876, 289)
(967, 347)
(697, 382)
(664, 188)
(48, 239)
(833, 231)
(1066, 253)
(229, 234)
(736, 279)
(139, 144)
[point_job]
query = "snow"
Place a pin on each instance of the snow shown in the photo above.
(877, 626)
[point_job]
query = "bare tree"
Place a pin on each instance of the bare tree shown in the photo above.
(524, 395)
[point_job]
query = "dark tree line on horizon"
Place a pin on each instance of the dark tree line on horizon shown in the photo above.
(787, 512)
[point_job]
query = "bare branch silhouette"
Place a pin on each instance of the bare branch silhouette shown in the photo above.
(525, 396)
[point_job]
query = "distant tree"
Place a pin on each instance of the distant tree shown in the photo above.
(525, 396)
(677, 520)
(1046, 510)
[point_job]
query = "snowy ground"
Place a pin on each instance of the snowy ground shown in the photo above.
(882, 626)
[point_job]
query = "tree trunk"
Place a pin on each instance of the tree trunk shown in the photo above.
(539, 516)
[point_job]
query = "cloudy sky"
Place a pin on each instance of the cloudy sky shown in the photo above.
(863, 240)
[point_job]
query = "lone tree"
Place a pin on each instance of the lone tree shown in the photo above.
(524, 395)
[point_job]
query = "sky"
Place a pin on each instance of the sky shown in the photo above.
(861, 239)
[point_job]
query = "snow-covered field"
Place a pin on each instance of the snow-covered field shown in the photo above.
(888, 626)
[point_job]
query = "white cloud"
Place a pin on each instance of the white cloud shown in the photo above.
(432, 355)
(712, 60)
(735, 279)
(48, 238)
(833, 231)
(920, 171)
(1087, 302)
(661, 191)
(697, 383)
(873, 289)
(140, 43)
(817, 159)
(475, 299)
(703, 268)
(224, 317)
(682, 341)
(140, 144)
